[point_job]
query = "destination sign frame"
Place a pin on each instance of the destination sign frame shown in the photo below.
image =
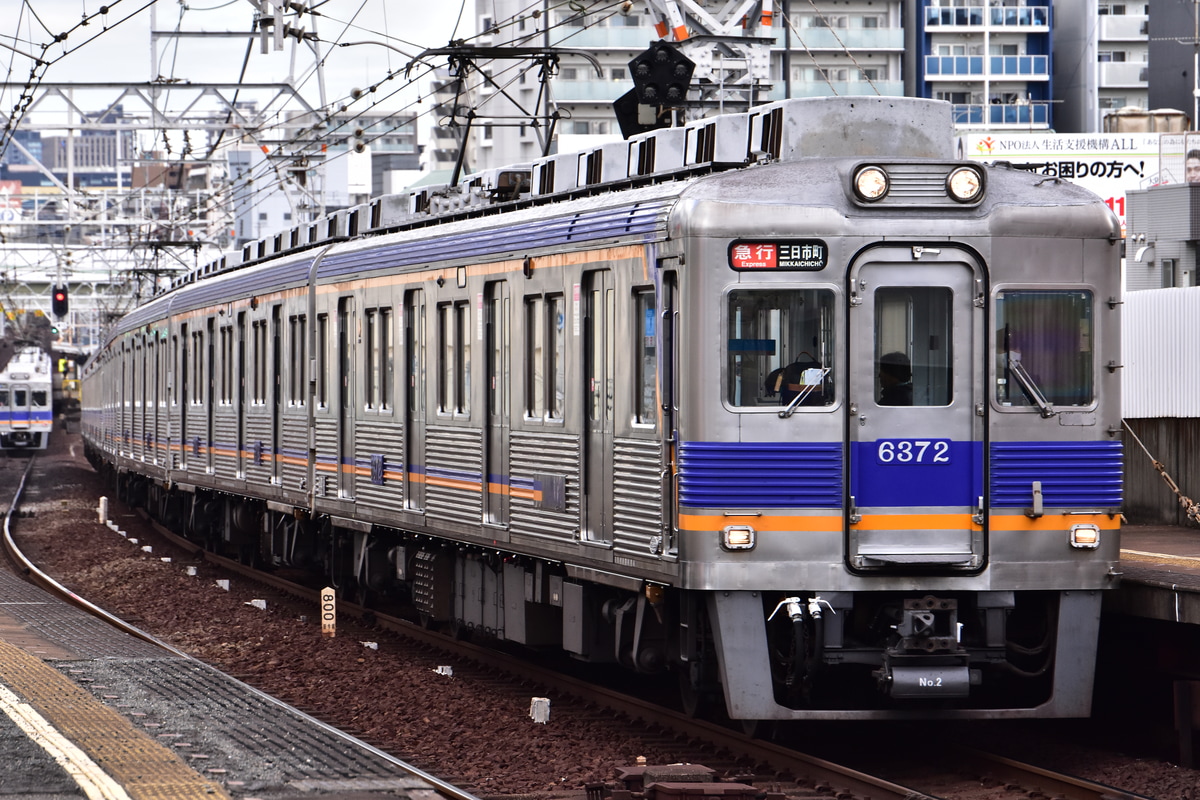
(778, 255)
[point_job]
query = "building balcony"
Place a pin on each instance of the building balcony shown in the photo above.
(1029, 18)
(851, 39)
(620, 37)
(1124, 28)
(595, 91)
(1010, 67)
(838, 89)
(996, 115)
(1124, 75)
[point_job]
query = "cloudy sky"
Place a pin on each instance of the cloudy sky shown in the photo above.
(117, 47)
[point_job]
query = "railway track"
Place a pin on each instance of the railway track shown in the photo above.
(24, 566)
(775, 763)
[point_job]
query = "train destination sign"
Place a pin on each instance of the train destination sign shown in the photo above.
(809, 255)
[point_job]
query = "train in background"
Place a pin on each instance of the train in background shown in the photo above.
(26, 399)
(788, 403)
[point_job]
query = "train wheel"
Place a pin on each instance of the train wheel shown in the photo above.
(696, 701)
(759, 728)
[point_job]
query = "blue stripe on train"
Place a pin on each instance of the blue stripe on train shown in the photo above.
(1086, 474)
(760, 475)
(809, 475)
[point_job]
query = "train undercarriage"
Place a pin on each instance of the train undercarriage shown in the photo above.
(826, 655)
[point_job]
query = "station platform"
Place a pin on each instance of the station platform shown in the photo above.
(87, 711)
(1160, 574)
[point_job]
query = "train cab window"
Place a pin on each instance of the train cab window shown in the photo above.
(913, 354)
(779, 347)
(1044, 348)
(3, 397)
(39, 398)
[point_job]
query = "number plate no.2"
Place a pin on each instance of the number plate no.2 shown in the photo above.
(912, 451)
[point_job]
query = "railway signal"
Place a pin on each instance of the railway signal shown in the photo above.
(58, 301)
(661, 77)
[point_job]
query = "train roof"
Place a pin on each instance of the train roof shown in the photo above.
(901, 127)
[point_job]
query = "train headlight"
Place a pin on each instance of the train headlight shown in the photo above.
(737, 537)
(965, 184)
(871, 183)
(1085, 537)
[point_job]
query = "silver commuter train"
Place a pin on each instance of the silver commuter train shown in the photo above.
(787, 402)
(26, 408)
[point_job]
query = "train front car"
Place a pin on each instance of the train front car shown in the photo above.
(26, 413)
(899, 468)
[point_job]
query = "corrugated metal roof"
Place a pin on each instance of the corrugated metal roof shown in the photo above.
(1160, 345)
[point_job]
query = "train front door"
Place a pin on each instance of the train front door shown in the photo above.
(916, 406)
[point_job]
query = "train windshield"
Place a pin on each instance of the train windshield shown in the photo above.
(779, 347)
(1044, 348)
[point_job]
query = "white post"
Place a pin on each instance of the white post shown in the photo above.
(328, 612)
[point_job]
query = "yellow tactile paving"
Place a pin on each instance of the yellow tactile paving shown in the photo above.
(1160, 558)
(146, 769)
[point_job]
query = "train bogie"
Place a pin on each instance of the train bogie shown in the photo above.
(826, 428)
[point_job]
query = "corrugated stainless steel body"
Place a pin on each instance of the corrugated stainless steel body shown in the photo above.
(572, 501)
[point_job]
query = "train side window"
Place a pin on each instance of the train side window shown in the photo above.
(535, 358)
(387, 364)
(298, 342)
(454, 373)
(913, 353)
(1044, 345)
(322, 360)
(645, 359)
(556, 349)
(197, 393)
(779, 346)
(371, 357)
(379, 355)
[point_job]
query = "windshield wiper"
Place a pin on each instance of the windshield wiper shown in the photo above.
(1015, 367)
(805, 392)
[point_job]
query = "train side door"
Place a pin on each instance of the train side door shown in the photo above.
(239, 377)
(347, 333)
(210, 398)
(414, 438)
(915, 441)
(276, 390)
(495, 463)
(183, 394)
(598, 300)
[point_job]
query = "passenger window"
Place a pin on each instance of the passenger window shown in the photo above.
(779, 348)
(646, 366)
(1044, 348)
(913, 353)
